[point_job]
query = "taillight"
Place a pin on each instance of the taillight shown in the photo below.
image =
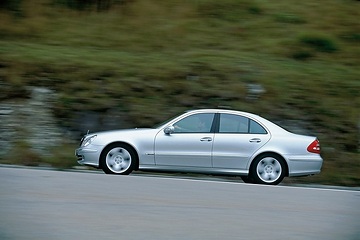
(314, 147)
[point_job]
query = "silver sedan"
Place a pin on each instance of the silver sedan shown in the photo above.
(210, 141)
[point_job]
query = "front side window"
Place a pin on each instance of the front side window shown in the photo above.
(197, 123)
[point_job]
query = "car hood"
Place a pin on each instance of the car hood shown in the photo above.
(122, 131)
(126, 135)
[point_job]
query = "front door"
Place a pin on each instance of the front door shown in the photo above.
(190, 145)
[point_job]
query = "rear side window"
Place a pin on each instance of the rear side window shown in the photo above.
(230, 123)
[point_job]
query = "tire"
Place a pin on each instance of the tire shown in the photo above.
(247, 179)
(119, 159)
(268, 169)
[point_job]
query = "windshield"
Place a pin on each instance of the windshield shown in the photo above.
(164, 122)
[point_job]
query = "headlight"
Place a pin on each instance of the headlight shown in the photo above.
(88, 141)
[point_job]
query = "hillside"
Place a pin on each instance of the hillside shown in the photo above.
(142, 61)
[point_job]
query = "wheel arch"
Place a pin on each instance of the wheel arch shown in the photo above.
(267, 153)
(104, 150)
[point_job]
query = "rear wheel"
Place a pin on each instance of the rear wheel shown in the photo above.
(247, 179)
(268, 169)
(118, 159)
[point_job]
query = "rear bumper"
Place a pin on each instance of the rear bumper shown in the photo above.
(304, 165)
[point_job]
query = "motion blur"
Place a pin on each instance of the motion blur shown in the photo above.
(69, 66)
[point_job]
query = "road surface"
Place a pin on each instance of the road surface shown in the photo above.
(46, 204)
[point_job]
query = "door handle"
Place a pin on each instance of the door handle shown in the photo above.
(255, 140)
(206, 139)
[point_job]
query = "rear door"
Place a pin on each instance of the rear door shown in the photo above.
(236, 140)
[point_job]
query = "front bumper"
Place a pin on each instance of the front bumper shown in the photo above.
(89, 155)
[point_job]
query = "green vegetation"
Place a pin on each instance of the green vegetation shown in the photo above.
(61, 157)
(153, 59)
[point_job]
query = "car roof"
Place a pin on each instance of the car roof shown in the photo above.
(272, 127)
(216, 110)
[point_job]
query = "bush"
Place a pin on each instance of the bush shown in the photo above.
(228, 10)
(13, 6)
(62, 157)
(289, 18)
(302, 54)
(351, 37)
(100, 5)
(254, 9)
(22, 154)
(319, 42)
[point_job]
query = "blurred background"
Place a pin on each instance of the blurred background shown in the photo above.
(68, 66)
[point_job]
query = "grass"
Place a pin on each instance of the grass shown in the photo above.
(152, 59)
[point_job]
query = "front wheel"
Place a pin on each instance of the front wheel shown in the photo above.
(118, 159)
(268, 169)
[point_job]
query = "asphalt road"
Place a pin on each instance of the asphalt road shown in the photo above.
(46, 204)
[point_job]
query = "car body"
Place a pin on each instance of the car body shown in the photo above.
(210, 141)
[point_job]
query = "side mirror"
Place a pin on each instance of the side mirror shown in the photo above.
(169, 130)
